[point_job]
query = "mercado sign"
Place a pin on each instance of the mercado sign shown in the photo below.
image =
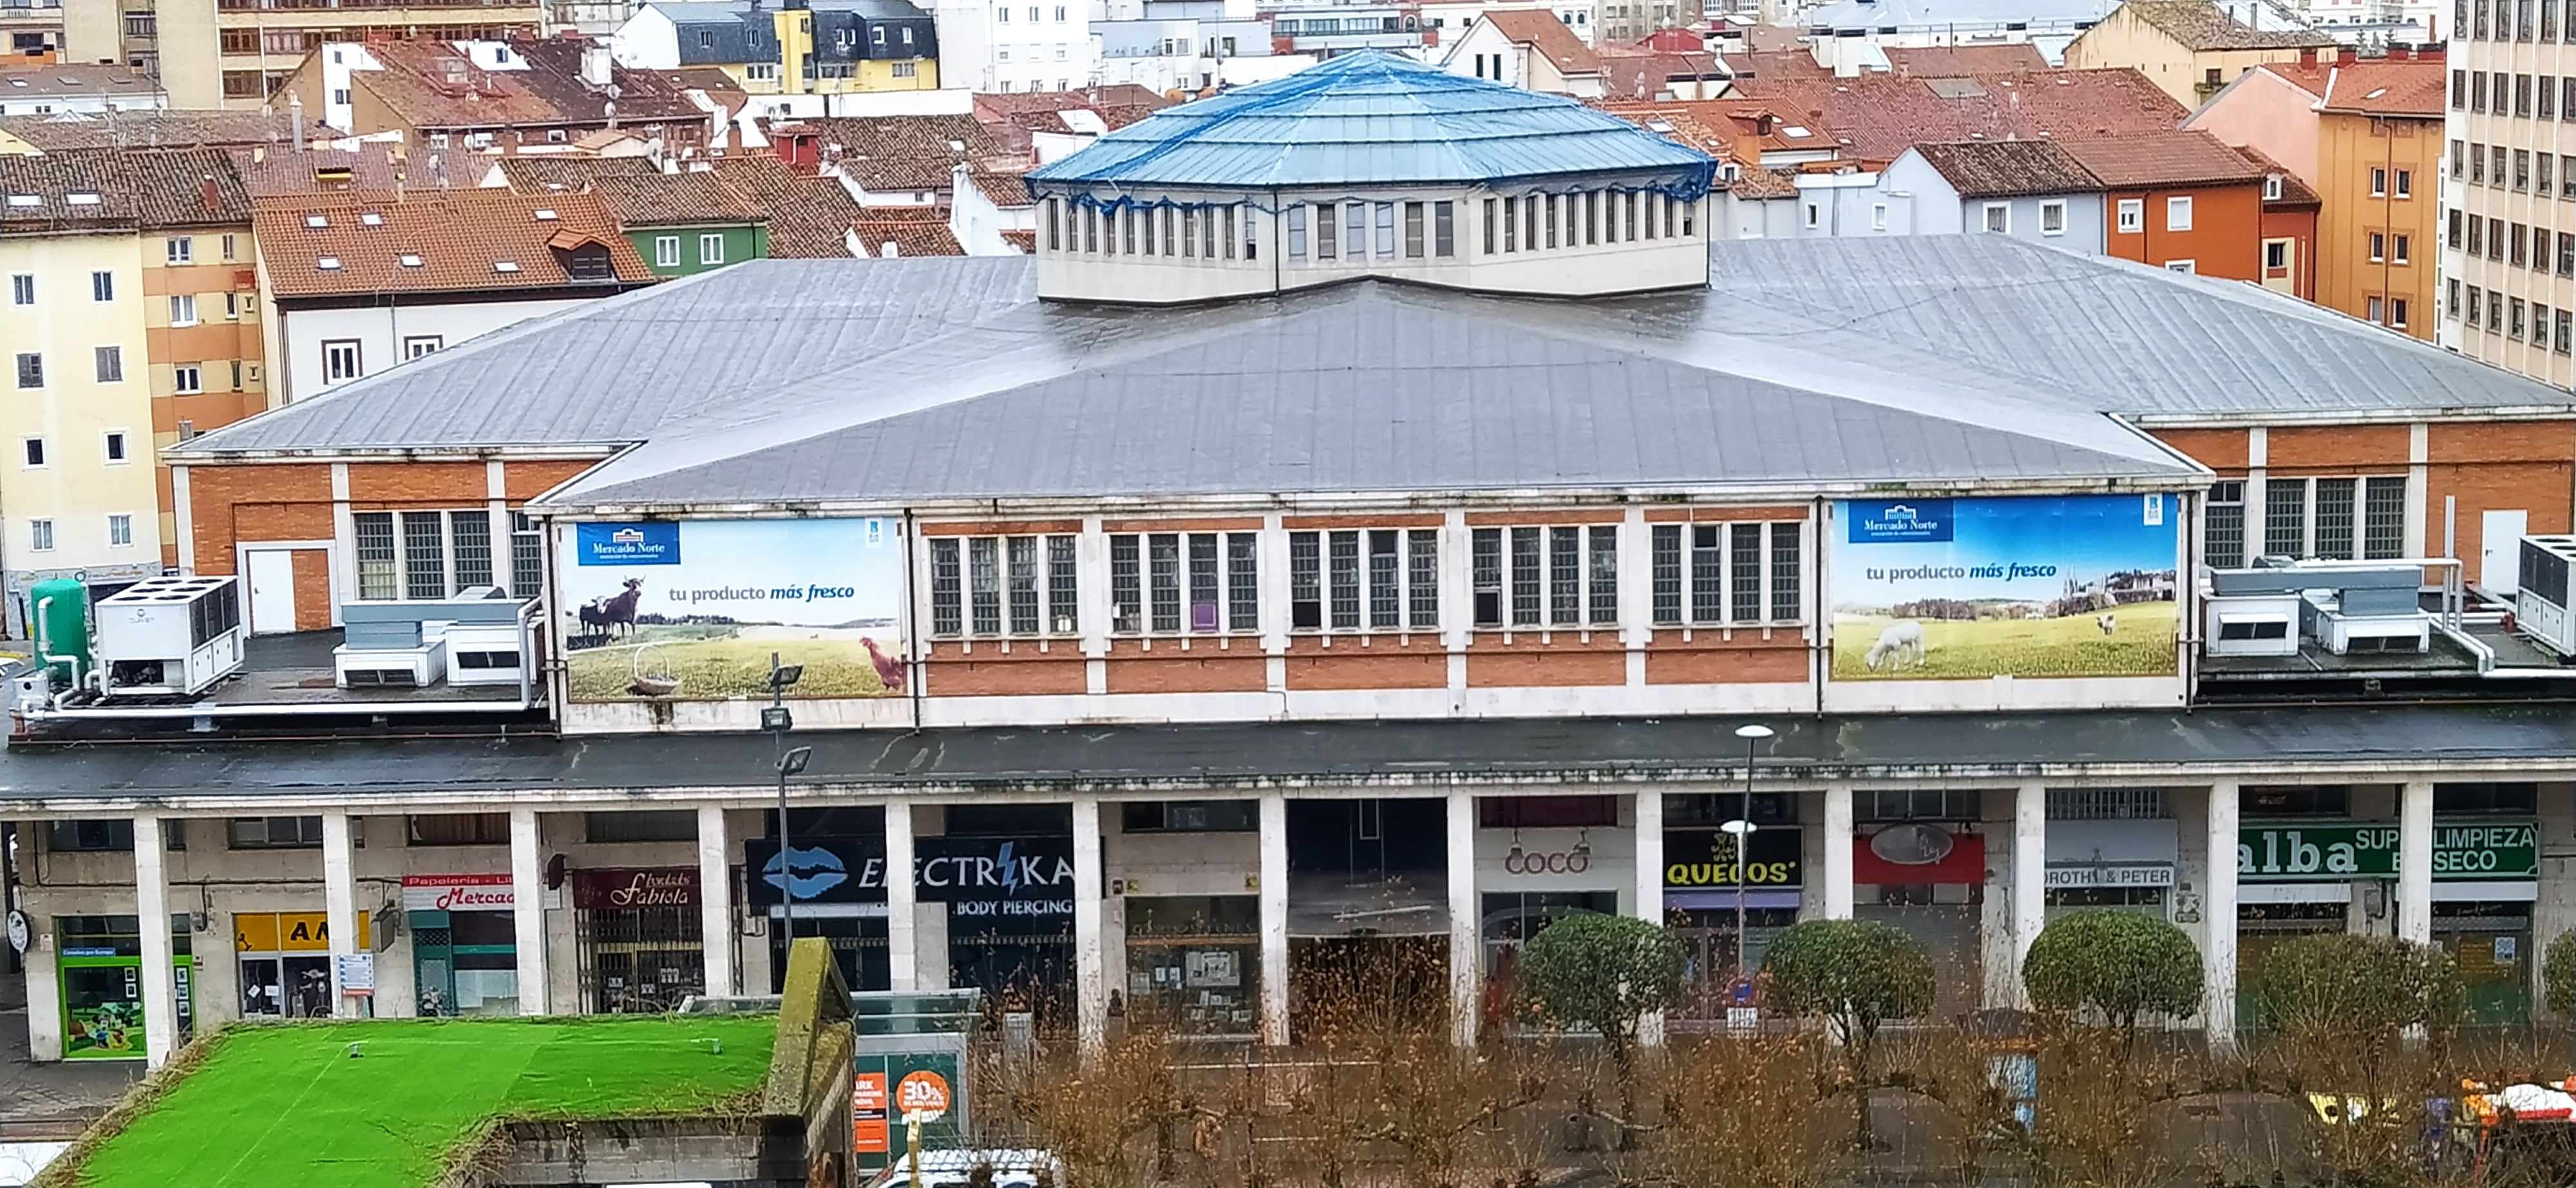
(2331, 852)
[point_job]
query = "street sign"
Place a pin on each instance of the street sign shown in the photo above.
(1743, 1018)
(358, 974)
(921, 1096)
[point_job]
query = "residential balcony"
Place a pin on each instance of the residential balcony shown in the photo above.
(515, 10)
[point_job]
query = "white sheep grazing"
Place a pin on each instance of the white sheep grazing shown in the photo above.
(1901, 639)
(2107, 623)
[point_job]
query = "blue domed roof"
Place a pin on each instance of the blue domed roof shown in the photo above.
(1377, 118)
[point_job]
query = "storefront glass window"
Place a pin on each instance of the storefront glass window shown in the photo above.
(465, 963)
(99, 967)
(1194, 963)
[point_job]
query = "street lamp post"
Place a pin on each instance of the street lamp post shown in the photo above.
(777, 721)
(1742, 828)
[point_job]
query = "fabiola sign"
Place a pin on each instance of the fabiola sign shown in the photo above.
(664, 886)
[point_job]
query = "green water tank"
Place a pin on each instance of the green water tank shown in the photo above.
(60, 607)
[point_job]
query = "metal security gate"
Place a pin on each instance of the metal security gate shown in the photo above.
(639, 960)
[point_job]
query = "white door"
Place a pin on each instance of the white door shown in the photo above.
(272, 590)
(2500, 550)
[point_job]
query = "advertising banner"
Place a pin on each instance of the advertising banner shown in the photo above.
(823, 870)
(691, 610)
(2037, 586)
(2085, 854)
(2332, 852)
(458, 893)
(975, 876)
(1699, 859)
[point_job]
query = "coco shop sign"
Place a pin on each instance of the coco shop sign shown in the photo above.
(2303, 853)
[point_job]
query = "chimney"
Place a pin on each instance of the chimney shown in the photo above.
(2399, 51)
(212, 195)
(2308, 56)
(2346, 56)
(888, 250)
(295, 104)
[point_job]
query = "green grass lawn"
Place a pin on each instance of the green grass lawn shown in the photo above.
(2142, 644)
(286, 1104)
(715, 667)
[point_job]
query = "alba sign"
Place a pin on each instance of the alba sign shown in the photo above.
(2330, 852)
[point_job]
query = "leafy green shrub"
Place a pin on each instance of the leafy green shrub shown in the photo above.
(2118, 966)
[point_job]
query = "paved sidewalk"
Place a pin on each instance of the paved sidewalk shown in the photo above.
(53, 1100)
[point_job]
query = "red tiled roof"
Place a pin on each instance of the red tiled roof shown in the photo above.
(101, 188)
(1755, 182)
(148, 129)
(2008, 168)
(886, 154)
(2411, 88)
(1545, 33)
(1026, 241)
(2190, 158)
(1643, 76)
(373, 167)
(432, 85)
(642, 195)
(808, 216)
(911, 236)
(2199, 25)
(461, 240)
(1879, 116)
(1957, 61)
(1002, 189)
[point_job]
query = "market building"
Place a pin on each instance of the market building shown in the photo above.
(1157, 657)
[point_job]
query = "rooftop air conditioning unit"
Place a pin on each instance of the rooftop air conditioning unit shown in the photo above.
(406, 644)
(170, 636)
(2540, 607)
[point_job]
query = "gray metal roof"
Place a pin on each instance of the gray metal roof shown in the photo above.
(1366, 387)
(2370, 742)
(1376, 118)
(610, 373)
(2105, 334)
(1821, 361)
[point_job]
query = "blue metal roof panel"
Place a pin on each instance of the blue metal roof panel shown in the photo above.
(1375, 118)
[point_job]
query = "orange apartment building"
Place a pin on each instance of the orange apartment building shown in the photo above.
(2180, 200)
(2366, 136)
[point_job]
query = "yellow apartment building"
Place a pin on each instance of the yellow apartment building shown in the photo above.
(827, 47)
(130, 320)
(2191, 48)
(232, 53)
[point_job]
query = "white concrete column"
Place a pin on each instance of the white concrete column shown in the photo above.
(339, 904)
(1274, 919)
(1650, 888)
(2415, 863)
(528, 911)
(1091, 970)
(1466, 947)
(2030, 875)
(2218, 912)
(903, 914)
(1838, 851)
(715, 898)
(152, 921)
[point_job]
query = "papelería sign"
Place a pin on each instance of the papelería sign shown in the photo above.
(2463, 851)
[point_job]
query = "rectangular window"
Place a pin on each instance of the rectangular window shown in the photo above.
(2223, 530)
(111, 364)
(424, 555)
(31, 369)
(1493, 244)
(379, 565)
(433, 554)
(2522, 169)
(120, 532)
(1999, 218)
(342, 361)
(179, 249)
(2178, 213)
(102, 286)
(2378, 182)
(2285, 518)
(1386, 230)
(527, 557)
(2378, 247)
(2404, 251)
(1444, 230)
(40, 535)
(115, 446)
(1414, 217)
(2052, 218)
(183, 309)
(22, 288)
(666, 251)
(275, 833)
(33, 451)
(2133, 215)
(711, 248)
(187, 379)
(416, 345)
(1560, 576)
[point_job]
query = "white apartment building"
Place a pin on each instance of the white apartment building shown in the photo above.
(1015, 45)
(2509, 194)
